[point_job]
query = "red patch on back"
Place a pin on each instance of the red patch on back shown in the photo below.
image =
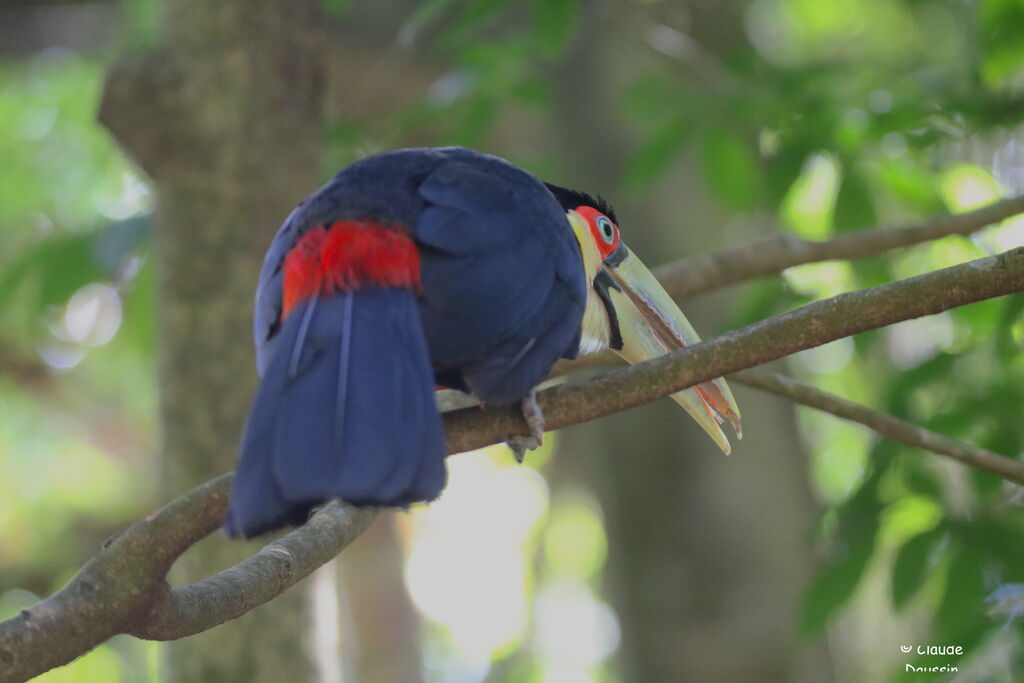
(347, 255)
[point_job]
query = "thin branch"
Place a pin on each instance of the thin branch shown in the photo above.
(123, 588)
(886, 425)
(706, 272)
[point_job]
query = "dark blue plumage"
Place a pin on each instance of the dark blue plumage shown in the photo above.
(346, 410)
(346, 407)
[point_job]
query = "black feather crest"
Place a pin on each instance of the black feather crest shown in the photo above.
(570, 199)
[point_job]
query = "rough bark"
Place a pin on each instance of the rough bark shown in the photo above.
(225, 116)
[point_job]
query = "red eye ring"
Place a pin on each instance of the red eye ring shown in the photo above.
(602, 229)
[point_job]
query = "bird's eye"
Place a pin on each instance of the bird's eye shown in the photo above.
(607, 229)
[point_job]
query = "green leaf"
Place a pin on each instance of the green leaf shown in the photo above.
(764, 299)
(1001, 538)
(335, 8)
(903, 384)
(833, 586)
(1013, 315)
(730, 169)
(985, 484)
(657, 153)
(478, 116)
(470, 18)
(858, 530)
(920, 480)
(781, 171)
(960, 617)
(981, 317)
(140, 22)
(139, 325)
(57, 267)
(855, 207)
(1002, 39)
(553, 22)
(910, 184)
(872, 271)
(912, 564)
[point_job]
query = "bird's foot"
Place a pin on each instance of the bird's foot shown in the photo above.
(535, 420)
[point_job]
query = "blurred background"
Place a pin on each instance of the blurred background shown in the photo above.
(629, 548)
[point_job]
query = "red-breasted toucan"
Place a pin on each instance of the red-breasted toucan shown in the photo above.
(420, 268)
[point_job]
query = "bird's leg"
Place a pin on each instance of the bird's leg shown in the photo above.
(535, 419)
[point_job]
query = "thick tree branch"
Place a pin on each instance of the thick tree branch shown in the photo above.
(275, 568)
(886, 425)
(803, 328)
(122, 590)
(112, 588)
(706, 272)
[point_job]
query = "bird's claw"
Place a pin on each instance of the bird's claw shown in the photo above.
(520, 444)
(535, 420)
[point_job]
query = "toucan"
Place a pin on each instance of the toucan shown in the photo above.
(422, 268)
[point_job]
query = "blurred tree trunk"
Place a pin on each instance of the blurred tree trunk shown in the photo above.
(385, 634)
(225, 117)
(706, 553)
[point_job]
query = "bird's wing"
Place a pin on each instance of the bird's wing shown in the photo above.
(500, 266)
(503, 284)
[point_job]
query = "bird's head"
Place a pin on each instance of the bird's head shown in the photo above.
(630, 312)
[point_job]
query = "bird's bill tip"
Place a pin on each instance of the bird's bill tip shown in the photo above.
(651, 325)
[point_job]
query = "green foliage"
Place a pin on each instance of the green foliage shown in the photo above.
(913, 563)
(834, 585)
(855, 204)
(76, 412)
(730, 169)
(336, 8)
(1001, 29)
(858, 524)
(553, 22)
(822, 117)
(659, 151)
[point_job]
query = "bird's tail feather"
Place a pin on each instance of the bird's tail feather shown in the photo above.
(345, 410)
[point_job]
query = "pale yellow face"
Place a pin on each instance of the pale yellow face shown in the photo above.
(595, 318)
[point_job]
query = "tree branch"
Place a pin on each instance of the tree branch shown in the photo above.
(812, 325)
(706, 272)
(112, 588)
(276, 567)
(123, 590)
(886, 425)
